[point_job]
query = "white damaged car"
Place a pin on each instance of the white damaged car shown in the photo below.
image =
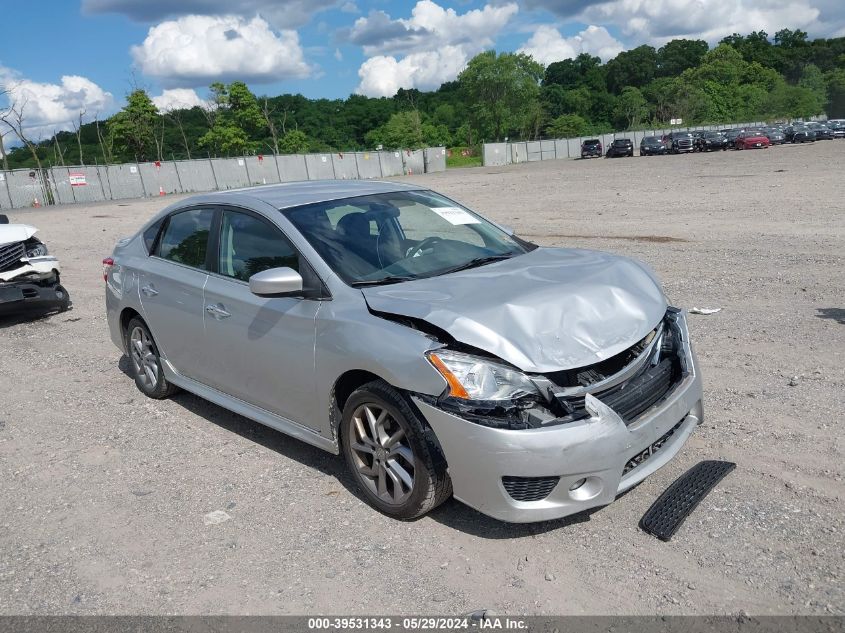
(29, 275)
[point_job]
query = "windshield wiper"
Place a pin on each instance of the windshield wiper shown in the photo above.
(390, 279)
(478, 261)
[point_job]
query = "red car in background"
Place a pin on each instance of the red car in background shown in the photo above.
(751, 140)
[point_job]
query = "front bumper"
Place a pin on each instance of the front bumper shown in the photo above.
(601, 450)
(25, 296)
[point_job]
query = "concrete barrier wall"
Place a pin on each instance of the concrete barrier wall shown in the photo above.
(160, 180)
(320, 166)
(435, 159)
(532, 151)
(495, 154)
(195, 175)
(345, 166)
(292, 167)
(230, 173)
(5, 200)
(391, 164)
(262, 171)
(519, 152)
(78, 184)
(124, 181)
(413, 161)
(369, 165)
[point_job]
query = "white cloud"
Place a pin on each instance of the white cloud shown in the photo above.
(196, 49)
(425, 50)
(178, 99)
(382, 76)
(48, 107)
(658, 21)
(547, 45)
(279, 13)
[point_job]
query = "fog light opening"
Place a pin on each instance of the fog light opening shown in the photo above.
(577, 484)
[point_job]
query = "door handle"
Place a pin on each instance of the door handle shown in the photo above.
(149, 290)
(217, 311)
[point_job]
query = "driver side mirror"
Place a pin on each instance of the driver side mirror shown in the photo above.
(276, 282)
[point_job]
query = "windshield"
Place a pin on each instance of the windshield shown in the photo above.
(712, 135)
(622, 142)
(400, 236)
(652, 140)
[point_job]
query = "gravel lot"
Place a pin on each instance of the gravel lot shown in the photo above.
(105, 492)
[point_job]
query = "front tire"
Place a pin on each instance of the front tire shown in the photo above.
(392, 453)
(145, 361)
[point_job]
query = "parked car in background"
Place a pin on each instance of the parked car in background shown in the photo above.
(775, 135)
(837, 128)
(799, 134)
(731, 135)
(679, 142)
(711, 141)
(29, 275)
(822, 131)
(432, 348)
(591, 148)
(751, 139)
(620, 147)
(652, 146)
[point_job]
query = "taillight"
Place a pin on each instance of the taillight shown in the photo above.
(108, 264)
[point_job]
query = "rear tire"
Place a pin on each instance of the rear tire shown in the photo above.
(392, 453)
(145, 361)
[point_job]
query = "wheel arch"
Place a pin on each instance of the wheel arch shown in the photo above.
(126, 315)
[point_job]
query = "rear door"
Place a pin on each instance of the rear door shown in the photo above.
(171, 287)
(260, 349)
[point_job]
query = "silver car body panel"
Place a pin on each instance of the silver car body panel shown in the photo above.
(595, 449)
(547, 310)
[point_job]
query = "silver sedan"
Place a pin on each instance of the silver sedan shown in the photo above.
(435, 349)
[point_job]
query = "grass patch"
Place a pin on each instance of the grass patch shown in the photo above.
(458, 160)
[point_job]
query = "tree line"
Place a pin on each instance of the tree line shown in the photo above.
(497, 96)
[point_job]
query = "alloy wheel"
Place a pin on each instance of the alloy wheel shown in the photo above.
(381, 453)
(143, 357)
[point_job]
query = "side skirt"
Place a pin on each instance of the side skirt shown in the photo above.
(262, 416)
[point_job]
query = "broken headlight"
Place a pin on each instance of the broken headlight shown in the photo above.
(36, 249)
(480, 379)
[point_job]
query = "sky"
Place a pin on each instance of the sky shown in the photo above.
(63, 58)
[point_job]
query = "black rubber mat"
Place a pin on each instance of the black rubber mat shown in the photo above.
(666, 515)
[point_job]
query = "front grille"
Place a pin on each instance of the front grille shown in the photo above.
(634, 397)
(644, 455)
(10, 255)
(529, 488)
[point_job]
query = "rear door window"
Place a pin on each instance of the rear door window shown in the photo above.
(185, 238)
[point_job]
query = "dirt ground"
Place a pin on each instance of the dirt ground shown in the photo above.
(104, 492)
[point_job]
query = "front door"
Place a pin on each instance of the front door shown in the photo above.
(259, 349)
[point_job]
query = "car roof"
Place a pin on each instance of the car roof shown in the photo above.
(294, 194)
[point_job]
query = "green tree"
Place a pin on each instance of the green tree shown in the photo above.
(568, 126)
(814, 82)
(677, 55)
(237, 120)
(636, 67)
(132, 130)
(571, 73)
(835, 106)
(631, 107)
(294, 142)
(502, 89)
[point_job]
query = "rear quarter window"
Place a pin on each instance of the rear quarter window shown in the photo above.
(151, 234)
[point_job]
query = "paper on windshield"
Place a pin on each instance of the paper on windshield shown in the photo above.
(455, 215)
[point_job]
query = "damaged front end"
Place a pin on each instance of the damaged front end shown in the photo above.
(29, 275)
(488, 392)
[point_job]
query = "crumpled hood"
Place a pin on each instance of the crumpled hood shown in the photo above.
(14, 233)
(548, 310)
